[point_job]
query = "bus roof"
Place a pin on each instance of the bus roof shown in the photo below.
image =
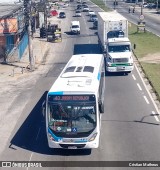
(80, 75)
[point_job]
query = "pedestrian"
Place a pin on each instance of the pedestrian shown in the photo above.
(133, 9)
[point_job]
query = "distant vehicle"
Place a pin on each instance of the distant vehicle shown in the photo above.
(79, 1)
(79, 7)
(95, 24)
(54, 13)
(84, 2)
(65, 5)
(85, 8)
(91, 12)
(75, 27)
(78, 14)
(62, 15)
(93, 17)
(151, 6)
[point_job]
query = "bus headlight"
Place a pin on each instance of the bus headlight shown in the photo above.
(93, 137)
(130, 64)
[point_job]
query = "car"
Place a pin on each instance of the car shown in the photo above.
(75, 27)
(93, 18)
(62, 15)
(54, 12)
(85, 8)
(79, 7)
(95, 24)
(91, 12)
(65, 5)
(78, 14)
(84, 2)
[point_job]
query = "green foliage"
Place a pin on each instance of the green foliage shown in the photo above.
(152, 72)
(145, 42)
(101, 4)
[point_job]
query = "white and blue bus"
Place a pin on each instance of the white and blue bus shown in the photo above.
(75, 102)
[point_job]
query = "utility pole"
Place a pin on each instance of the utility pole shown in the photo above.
(45, 14)
(27, 13)
(157, 6)
(142, 7)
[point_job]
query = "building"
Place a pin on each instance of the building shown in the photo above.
(12, 30)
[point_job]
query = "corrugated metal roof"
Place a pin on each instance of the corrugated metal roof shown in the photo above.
(8, 9)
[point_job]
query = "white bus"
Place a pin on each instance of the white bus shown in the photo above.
(74, 104)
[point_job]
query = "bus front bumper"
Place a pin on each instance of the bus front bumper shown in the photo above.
(86, 145)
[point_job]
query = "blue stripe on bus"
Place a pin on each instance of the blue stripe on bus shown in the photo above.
(57, 139)
(99, 75)
(56, 93)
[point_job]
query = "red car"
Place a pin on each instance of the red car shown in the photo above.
(54, 13)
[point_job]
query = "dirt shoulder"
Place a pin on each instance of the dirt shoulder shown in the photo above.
(151, 58)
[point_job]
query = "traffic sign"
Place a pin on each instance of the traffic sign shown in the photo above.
(141, 17)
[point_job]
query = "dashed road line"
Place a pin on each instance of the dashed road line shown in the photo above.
(150, 96)
(133, 77)
(155, 116)
(139, 86)
(147, 101)
(30, 159)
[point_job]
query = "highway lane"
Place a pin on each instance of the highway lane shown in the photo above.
(129, 130)
(151, 19)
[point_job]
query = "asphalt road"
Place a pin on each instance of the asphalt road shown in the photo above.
(130, 126)
(151, 19)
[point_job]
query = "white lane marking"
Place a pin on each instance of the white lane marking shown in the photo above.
(30, 159)
(38, 133)
(147, 89)
(155, 116)
(139, 86)
(146, 99)
(36, 139)
(133, 77)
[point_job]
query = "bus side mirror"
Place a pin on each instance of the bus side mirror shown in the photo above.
(43, 108)
(101, 107)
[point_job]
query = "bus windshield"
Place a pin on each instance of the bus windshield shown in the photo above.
(119, 48)
(68, 119)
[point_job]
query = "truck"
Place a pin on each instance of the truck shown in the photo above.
(114, 41)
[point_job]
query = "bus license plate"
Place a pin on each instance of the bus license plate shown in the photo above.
(72, 147)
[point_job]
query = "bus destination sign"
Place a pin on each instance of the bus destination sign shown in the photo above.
(70, 98)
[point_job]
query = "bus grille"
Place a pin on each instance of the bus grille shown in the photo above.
(66, 146)
(120, 60)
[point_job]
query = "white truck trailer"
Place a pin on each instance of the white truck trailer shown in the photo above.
(113, 38)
